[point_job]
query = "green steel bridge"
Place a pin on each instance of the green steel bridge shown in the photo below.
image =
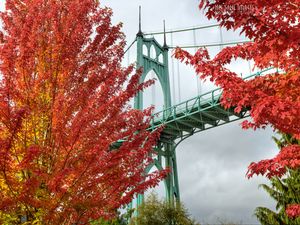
(182, 120)
(196, 114)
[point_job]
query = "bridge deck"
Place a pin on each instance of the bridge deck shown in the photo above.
(195, 115)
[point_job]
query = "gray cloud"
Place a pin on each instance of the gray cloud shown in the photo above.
(212, 167)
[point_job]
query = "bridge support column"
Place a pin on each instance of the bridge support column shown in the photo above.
(158, 62)
(166, 152)
(176, 181)
(172, 184)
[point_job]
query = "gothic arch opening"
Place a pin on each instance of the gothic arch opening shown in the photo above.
(153, 95)
(153, 53)
(145, 50)
(161, 58)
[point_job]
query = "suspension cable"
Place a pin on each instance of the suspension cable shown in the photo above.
(129, 47)
(212, 45)
(183, 29)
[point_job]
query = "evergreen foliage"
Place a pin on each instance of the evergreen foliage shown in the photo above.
(285, 191)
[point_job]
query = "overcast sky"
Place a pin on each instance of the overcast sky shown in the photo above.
(211, 164)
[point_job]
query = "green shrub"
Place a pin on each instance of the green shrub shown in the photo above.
(156, 212)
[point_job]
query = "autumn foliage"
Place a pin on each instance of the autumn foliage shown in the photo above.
(63, 103)
(274, 28)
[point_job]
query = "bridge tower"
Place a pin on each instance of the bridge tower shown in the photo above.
(166, 155)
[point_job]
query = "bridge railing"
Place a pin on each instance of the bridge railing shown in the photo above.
(211, 98)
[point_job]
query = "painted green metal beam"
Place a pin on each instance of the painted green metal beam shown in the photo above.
(215, 115)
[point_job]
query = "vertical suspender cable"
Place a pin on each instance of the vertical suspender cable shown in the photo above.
(249, 65)
(178, 82)
(173, 73)
(221, 38)
(198, 79)
(128, 57)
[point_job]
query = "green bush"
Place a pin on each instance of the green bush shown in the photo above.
(156, 212)
(120, 219)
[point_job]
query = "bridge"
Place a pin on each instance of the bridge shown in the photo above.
(196, 114)
(182, 120)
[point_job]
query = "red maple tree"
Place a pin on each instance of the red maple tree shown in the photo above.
(63, 103)
(274, 28)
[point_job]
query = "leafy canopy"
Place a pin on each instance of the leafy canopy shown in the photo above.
(274, 28)
(63, 103)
